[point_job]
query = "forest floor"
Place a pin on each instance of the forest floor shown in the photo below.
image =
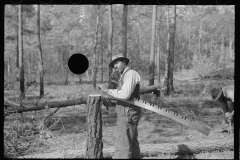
(67, 129)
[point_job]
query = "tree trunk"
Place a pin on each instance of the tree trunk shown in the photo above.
(165, 83)
(140, 42)
(223, 46)
(152, 56)
(9, 67)
(30, 105)
(94, 145)
(158, 49)
(66, 60)
(124, 30)
(40, 62)
(29, 67)
(50, 66)
(200, 36)
(189, 39)
(20, 49)
(110, 39)
(171, 53)
(17, 48)
(94, 71)
(101, 61)
(211, 46)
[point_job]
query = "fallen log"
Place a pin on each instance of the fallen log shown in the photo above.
(149, 89)
(12, 107)
(33, 107)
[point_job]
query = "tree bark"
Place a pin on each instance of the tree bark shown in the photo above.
(20, 49)
(9, 67)
(66, 60)
(200, 36)
(102, 49)
(124, 30)
(223, 46)
(29, 67)
(40, 61)
(152, 56)
(167, 50)
(17, 48)
(94, 145)
(94, 71)
(158, 49)
(171, 53)
(31, 106)
(189, 39)
(110, 39)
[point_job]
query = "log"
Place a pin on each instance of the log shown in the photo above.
(94, 145)
(12, 107)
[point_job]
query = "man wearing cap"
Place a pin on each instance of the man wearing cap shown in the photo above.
(225, 96)
(128, 115)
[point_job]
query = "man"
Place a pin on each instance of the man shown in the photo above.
(128, 115)
(225, 96)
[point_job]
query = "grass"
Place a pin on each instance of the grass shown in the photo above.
(67, 136)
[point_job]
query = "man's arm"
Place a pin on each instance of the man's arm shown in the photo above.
(130, 80)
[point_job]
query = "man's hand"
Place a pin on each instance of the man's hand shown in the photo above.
(229, 115)
(103, 87)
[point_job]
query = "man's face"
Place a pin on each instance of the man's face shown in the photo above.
(119, 66)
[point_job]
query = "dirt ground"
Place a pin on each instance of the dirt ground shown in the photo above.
(159, 137)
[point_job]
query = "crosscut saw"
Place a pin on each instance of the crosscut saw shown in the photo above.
(163, 111)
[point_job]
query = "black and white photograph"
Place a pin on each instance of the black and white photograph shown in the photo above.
(118, 81)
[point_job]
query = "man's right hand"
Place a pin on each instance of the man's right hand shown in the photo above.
(229, 115)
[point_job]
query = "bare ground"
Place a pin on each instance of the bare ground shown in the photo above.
(159, 137)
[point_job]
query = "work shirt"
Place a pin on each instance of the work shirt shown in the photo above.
(128, 81)
(227, 103)
(228, 92)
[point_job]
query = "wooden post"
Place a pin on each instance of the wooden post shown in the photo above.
(94, 145)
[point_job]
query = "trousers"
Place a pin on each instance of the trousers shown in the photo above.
(126, 143)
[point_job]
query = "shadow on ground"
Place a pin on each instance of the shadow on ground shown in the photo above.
(184, 152)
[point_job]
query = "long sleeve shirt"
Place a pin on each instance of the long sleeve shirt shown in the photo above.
(129, 79)
(228, 92)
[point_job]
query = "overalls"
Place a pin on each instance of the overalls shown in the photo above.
(128, 115)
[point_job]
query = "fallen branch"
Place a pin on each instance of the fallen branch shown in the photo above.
(40, 106)
(12, 107)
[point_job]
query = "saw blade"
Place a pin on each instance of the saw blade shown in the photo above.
(172, 115)
(163, 111)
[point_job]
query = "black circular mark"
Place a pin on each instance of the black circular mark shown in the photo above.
(78, 63)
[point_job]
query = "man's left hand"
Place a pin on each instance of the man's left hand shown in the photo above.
(103, 87)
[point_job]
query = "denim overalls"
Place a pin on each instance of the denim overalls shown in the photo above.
(128, 115)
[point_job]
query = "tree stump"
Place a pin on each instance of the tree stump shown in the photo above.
(94, 145)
